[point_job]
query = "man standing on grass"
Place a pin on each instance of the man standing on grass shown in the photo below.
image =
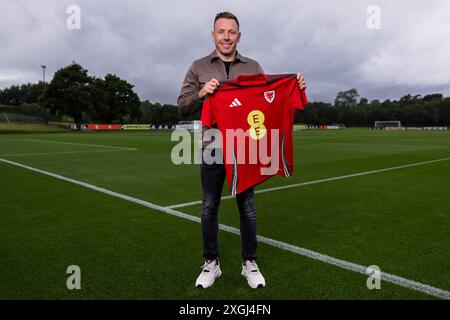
(201, 80)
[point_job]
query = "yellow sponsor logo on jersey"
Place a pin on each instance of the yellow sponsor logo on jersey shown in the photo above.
(256, 121)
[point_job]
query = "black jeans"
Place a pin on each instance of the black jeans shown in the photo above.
(213, 176)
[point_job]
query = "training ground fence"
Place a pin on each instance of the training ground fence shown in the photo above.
(25, 113)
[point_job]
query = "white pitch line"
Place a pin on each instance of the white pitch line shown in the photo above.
(80, 144)
(295, 185)
(403, 282)
(54, 153)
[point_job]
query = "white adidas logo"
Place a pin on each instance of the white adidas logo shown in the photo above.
(235, 103)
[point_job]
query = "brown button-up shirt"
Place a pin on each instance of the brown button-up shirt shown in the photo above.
(205, 69)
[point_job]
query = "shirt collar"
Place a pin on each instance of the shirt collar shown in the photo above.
(213, 56)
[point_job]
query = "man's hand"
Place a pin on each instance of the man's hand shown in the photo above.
(301, 81)
(208, 88)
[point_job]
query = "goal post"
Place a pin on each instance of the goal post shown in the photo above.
(387, 124)
(188, 125)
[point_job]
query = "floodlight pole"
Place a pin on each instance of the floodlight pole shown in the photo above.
(43, 73)
(43, 81)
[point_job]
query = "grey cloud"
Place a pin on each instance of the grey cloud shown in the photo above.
(152, 43)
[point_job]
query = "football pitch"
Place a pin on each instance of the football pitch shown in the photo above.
(116, 206)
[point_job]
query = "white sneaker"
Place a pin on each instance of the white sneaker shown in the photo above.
(251, 272)
(211, 271)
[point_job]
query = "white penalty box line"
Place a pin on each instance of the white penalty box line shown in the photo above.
(403, 282)
(80, 144)
(307, 183)
(55, 153)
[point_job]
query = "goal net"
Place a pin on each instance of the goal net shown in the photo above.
(188, 125)
(387, 124)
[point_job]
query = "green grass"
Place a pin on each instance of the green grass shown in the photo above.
(398, 220)
(14, 127)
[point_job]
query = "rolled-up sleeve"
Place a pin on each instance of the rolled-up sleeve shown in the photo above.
(259, 68)
(188, 100)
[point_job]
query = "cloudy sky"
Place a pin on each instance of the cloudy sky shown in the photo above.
(151, 43)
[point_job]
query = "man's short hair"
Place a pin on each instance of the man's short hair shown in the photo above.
(226, 15)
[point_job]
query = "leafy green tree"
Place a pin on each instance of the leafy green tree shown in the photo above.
(433, 97)
(32, 92)
(363, 102)
(444, 113)
(12, 96)
(317, 113)
(113, 98)
(69, 92)
(158, 114)
(170, 114)
(347, 98)
(414, 115)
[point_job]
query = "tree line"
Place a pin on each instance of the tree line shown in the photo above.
(74, 93)
(351, 110)
(86, 99)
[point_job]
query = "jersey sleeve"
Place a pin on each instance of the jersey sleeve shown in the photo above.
(207, 117)
(298, 98)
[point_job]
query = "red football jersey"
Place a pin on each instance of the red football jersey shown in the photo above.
(255, 114)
